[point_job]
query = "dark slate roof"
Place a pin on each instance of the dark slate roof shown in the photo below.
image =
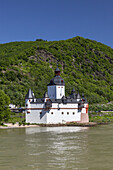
(57, 80)
(73, 91)
(64, 100)
(85, 101)
(82, 94)
(29, 94)
(57, 69)
(78, 96)
(37, 101)
(73, 94)
(46, 95)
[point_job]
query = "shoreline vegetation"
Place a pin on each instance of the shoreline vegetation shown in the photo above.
(10, 125)
(93, 121)
(17, 120)
(89, 124)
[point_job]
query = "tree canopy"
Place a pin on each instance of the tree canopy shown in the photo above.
(85, 65)
(4, 106)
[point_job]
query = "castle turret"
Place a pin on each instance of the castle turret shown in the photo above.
(28, 99)
(78, 97)
(73, 94)
(56, 87)
(29, 94)
(45, 97)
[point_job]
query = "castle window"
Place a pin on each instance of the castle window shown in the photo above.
(73, 113)
(26, 104)
(62, 113)
(52, 113)
(67, 113)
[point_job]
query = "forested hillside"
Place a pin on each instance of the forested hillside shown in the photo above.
(85, 65)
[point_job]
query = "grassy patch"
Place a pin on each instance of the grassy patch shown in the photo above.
(101, 119)
(17, 117)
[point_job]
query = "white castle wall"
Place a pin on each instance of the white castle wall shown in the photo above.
(52, 92)
(60, 92)
(65, 113)
(59, 113)
(37, 114)
(56, 92)
(27, 104)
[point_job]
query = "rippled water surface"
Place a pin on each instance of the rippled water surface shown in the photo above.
(52, 148)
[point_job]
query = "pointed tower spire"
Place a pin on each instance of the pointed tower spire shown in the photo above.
(57, 72)
(29, 94)
(73, 91)
(78, 96)
(46, 95)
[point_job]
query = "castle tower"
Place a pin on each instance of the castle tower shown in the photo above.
(45, 98)
(28, 99)
(78, 97)
(56, 87)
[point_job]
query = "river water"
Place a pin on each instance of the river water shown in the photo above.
(52, 148)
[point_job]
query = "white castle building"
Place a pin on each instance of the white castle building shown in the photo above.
(54, 107)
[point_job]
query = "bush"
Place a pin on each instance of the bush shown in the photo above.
(20, 123)
(4, 106)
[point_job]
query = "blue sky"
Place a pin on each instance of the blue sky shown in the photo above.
(27, 20)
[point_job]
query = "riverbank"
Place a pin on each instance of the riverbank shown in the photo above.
(16, 125)
(95, 119)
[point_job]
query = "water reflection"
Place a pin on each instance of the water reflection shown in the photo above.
(52, 148)
(54, 129)
(57, 146)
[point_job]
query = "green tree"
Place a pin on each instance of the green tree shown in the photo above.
(4, 106)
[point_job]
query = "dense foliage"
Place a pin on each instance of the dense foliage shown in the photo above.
(4, 106)
(86, 65)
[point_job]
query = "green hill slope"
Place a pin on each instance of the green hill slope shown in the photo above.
(85, 65)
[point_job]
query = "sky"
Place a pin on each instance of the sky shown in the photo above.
(28, 20)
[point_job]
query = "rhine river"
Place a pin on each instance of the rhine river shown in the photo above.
(57, 148)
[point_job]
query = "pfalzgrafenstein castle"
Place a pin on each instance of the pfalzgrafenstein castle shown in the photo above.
(55, 107)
